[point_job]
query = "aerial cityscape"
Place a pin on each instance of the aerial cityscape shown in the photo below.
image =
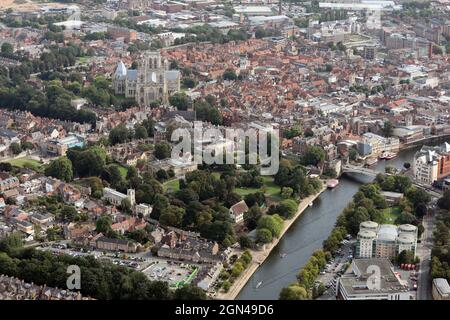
(224, 150)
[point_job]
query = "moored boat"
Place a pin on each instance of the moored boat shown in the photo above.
(332, 183)
(388, 155)
(371, 161)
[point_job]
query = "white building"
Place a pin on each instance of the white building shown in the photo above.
(144, 209)
(425, 167)
(237, 211)
(385, 241)
(371, 279)
(381, 144)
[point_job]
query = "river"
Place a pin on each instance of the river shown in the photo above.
(307, 234)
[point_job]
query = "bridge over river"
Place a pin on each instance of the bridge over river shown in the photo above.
(349, 168)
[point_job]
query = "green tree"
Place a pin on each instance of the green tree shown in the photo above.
(119, 134)
(294, 292)
(60, 168)
(172, 216)
(162, 150)
(444, 201)
(352, 154)
(387, 129)
(15, 148)
(189, 292)
(416, 196)
(237, 269)
(229, 74)
(313, 156)
(274, 223)
(140, 132)
(286, 192)
(245, 242)
(406, 256)
(103, 224)
(125, 205)
(7, 48)
(264, 235)
(179, 100)
(27, 145)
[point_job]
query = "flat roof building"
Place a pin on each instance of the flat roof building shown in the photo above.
(371, 279)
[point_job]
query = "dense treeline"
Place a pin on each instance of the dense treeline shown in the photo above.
(54, 102)
(294, 177)
(202, 33)
(440, 255)
(99, 279)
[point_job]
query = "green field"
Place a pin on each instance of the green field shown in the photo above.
(82, 60)
(123, 171)
(171, 184)
(269, 188)
(27, 163)
(390, 214)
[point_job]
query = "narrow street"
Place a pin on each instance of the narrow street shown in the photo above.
(424, 253)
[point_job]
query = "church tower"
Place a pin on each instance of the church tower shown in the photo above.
(131, 196)
(151, 84)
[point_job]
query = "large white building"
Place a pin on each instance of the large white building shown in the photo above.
(371, 279)
(385, 241)
(381, 144)
(151, 81)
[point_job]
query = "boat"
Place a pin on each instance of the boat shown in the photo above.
(259, 284)
(310, 204)
(332, 183)
(371, 161)
(388, 155)
(282, 255)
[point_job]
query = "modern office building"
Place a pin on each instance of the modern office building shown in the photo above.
(371, 279)
(385, 241)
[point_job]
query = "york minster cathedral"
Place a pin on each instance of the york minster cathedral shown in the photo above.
(152, 80)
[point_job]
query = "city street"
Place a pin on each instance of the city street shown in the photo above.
(424, 253)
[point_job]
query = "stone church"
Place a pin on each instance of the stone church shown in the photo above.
(151, 81)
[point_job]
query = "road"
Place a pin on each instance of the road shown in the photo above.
(424, 253)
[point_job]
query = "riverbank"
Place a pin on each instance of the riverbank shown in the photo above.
(259, 256)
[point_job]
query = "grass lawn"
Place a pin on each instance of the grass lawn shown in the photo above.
(123, 171)
(27, 163)
(390, 214)
(82, 60)
(269, 188)
(171, 184)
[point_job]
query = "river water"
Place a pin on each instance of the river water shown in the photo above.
(307, 234)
